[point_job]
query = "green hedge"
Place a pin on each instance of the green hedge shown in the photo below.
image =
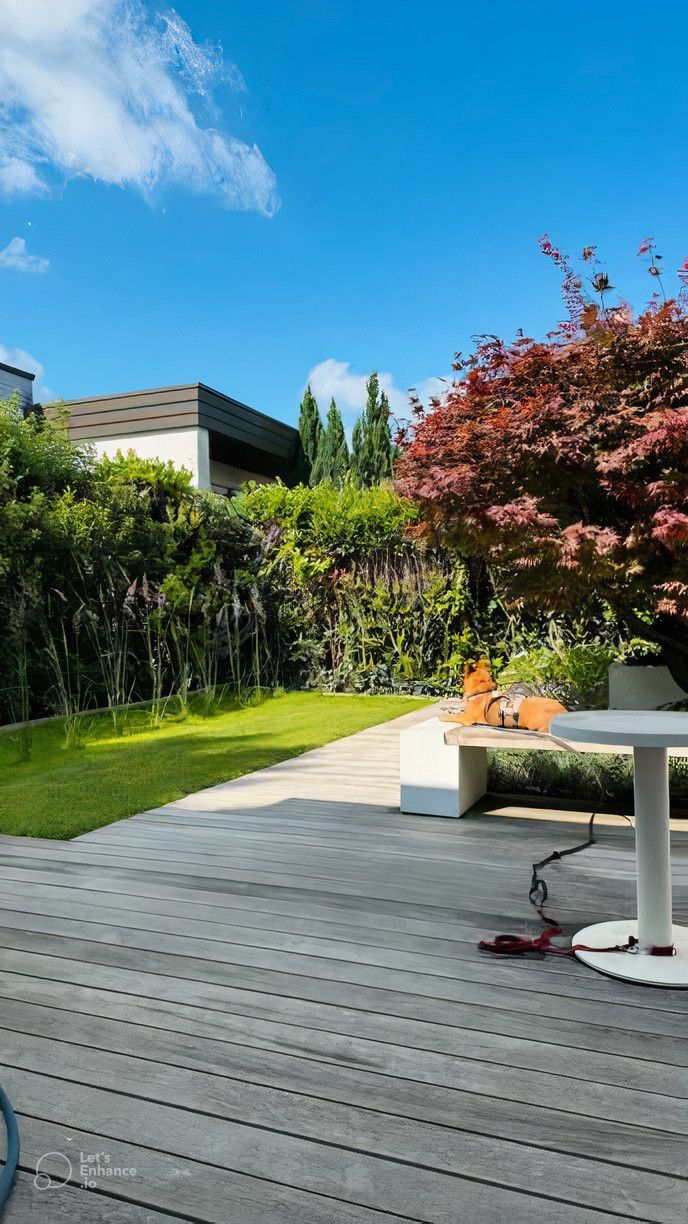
(119, 581)
(355, 602)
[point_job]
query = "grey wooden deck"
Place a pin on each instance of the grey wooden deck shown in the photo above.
(268, 1000)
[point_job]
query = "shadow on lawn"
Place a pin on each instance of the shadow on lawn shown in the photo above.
(106, 781)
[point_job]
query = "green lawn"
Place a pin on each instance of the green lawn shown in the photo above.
(61, 793)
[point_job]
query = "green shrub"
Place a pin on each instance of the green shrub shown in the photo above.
(605, 782)
(575, 672)
(356, 603)
(112, 576)
(338, 525)
(119, 582)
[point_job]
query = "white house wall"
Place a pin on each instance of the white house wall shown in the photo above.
(187, 448)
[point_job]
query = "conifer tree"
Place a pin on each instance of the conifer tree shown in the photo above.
(332, 459)
(357, 448)
(311, 433)
(384, 448)
(372, 448)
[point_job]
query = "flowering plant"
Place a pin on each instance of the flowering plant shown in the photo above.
(564, 462)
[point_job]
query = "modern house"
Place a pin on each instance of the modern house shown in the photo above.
(12, 379)
(219, 440)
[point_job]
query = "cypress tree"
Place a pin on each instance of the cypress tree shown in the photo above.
(311, 433)
(384, 447)
(341, 460)
(372, 449)
(332, 459)
(357, 450)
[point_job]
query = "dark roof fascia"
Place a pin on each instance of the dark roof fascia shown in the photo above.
(202, 393)
(115, 395)
(270, 421)
(13, 370)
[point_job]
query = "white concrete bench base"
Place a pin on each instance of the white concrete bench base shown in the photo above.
(443, 767)
(436, 780)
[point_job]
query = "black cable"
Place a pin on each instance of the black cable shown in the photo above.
(539, 892)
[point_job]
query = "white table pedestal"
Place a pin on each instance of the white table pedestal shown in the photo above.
(634, 966)
(649, 733)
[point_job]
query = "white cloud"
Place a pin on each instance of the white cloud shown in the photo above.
(112, 91)
(16, 256)
(18, 178)
(335, 379)
(21, 360)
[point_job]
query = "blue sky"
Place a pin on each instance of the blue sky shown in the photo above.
(418, 152)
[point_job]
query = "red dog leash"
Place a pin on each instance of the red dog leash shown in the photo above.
(518, 945)
(515, 945)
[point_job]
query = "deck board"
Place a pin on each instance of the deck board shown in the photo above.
(268, 998)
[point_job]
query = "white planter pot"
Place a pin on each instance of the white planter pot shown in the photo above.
(641, 688)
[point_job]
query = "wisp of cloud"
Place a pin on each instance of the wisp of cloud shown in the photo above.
(332, 379)
(108, 90)
(16, 257)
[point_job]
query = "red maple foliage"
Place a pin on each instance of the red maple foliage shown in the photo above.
(564, 462)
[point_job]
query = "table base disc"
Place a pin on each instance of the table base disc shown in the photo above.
(634, 966)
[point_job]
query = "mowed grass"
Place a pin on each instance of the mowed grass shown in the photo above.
(61, 793)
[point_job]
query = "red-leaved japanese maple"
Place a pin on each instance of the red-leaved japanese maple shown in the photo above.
(564, 462)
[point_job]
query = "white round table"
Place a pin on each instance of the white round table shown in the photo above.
(650, 733)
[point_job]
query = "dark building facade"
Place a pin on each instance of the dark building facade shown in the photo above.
(12, 379)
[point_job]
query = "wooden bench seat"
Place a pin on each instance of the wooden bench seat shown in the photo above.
(498, 737)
